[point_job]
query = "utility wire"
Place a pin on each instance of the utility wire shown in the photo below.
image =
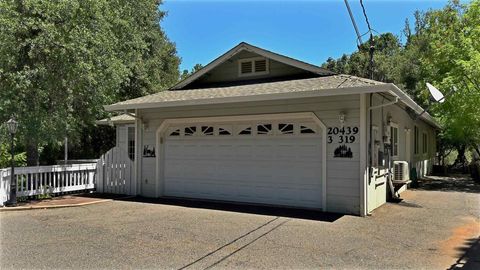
(366, 17)
(372, 41)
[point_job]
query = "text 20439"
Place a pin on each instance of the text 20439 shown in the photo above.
(345, 134)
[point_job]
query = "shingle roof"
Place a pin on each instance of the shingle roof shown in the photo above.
(312, 84)
(243, 46)
(119, 119)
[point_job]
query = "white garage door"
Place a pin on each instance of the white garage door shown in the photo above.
(268, 162)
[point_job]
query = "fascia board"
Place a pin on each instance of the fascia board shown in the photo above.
(260, 97)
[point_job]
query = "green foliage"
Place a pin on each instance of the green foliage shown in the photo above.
(187, 73)
(445, 51)
(61, 61)
(452, 60)
(5, 157)
(20, 157)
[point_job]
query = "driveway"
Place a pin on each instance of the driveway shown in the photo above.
(429, 229)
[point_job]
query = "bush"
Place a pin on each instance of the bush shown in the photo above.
(5, 157)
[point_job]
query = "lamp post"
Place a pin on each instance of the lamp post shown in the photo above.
(12, 126)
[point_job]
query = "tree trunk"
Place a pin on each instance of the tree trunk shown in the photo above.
(477, 149)
(32, 152)
(461, 160)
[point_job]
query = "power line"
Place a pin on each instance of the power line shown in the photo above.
(371, 49)
(366, 17)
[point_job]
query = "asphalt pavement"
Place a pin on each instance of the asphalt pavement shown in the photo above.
(428, 230)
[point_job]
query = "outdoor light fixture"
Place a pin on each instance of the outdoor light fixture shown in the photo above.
(341, 118)
(12, 126)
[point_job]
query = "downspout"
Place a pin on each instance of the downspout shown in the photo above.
(370, 140)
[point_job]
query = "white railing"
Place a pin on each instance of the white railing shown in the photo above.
(115, 173)
(54, 179)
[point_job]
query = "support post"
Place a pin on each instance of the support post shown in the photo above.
(13, 182)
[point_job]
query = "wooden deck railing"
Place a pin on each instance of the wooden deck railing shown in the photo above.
(39, 180)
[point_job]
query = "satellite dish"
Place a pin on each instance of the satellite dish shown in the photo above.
(437, 95)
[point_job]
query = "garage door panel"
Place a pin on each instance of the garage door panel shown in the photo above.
(269, 169)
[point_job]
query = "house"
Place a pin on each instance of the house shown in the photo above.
(254, 126)
(124, 132)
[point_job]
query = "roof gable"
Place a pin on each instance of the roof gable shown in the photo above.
(225, 67)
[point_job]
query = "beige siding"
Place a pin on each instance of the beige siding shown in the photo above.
(423, 162)
(148, 166)
(343, 179)
(228, 71)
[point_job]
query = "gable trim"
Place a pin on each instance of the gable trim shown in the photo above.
(250, 48)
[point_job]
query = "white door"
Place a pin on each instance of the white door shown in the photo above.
(268, 162)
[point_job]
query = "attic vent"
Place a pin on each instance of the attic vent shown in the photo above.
(246, 67)
(253, 66)
(260, 65)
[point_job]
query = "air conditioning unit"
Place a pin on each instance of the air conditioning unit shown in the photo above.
(400, 171)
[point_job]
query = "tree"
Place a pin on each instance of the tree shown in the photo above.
(450, 60)
(387, 46)
(186, 73)
(61, 61)
(443, 50)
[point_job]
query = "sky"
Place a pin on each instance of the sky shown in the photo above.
(308, 30)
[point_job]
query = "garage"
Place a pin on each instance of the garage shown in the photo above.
(275, 160)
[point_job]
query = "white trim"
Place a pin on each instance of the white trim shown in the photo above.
(138, 156)
(387, 88)
(250, 48)
(408, 145)
(127, 146)
(160, 141)
(376, 131)
(363, 156)
(395, 125)
(416, 140)
(250, 98)
(406, 99)
(424, 142)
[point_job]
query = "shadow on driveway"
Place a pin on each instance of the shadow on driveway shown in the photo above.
(470, 259)
(241, 208)
(459, 183)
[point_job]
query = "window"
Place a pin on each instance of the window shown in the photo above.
(207, 130)
(394, 139)
(285, 128)
(131, 142)
(424, 142)
(224, 131)
(189, 131)
(264, 129)
(253, 66)
(415, 140)
(246, 131)
(306, 130)
(175, 132)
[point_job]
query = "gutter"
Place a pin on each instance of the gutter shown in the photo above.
(384, 104)
(260, 97)
(425, 116)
